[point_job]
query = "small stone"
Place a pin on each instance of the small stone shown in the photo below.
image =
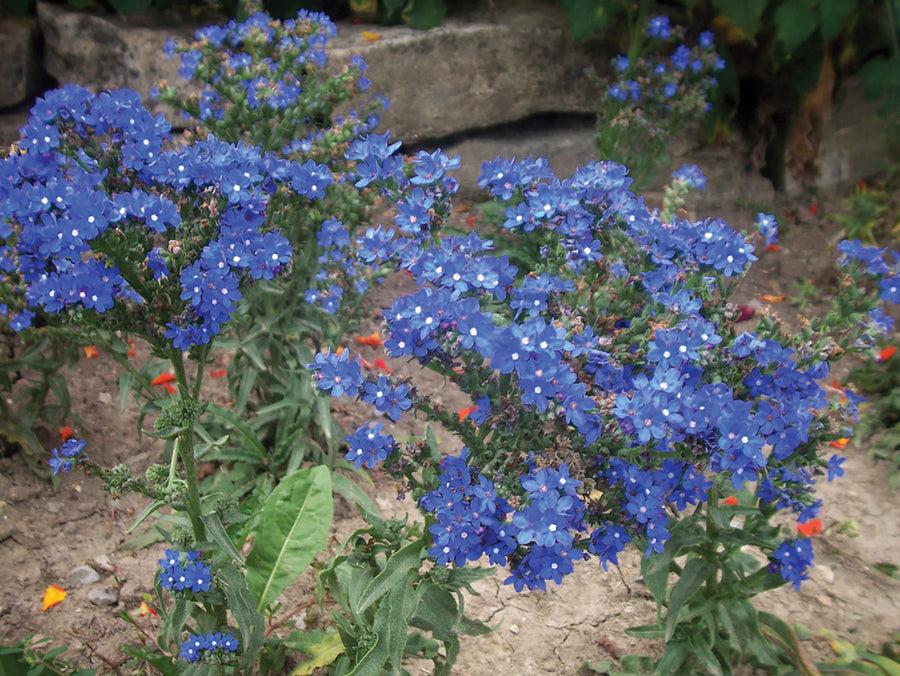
(822, 573)
(514, 628)
(824, 601)
(103, 597)
(105, 398)
(83, 576)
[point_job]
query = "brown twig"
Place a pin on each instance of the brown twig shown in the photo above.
(284, 620)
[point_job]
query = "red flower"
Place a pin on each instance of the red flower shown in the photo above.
(91, 351)
(466, 412)
(379, 363)
(166, 380)
(219, 373)
(810, 528)
(731, 500)
(66, 433)
(886, 353)
(372, 340)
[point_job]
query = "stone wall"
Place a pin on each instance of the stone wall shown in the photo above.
(507, 62)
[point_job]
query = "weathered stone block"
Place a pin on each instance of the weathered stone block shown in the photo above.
(470, 72)
(18, 61)
(100, 52)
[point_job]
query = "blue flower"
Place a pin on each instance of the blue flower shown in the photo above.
(658, 27)
(793, 559)
(834, 467)
(368, 446)
(335, 373)
(66, 455)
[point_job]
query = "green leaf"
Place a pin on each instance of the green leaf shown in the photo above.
(215, 529)
(398, 565)
(795, 22)
(676, 653)
(148, 510)
(176, 619)
(655, 569)
(322, 654)
(704, 654)
(746, 15)
(249, 436)
(646, 631)
(291, 528)
(353, 493)
(587, 17)
(424, 14)
(692, 578)
(241, 603)
(833, 15)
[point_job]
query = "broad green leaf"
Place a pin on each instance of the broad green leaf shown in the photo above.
(424, 14)
(692, 578)
(176, 619)
(745, 15)
(587, 17)
(291, 528)
(322, 654)
(834, 14)
(215, 529)
(795, 22)
(400, 563)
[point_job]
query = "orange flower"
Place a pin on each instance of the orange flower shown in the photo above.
(366, 364)
(372, 37)
(773, 247)
(132, 350)
(145, 610)
(165, 379)
(372, 340)
(53, 596)
(886, 353)
(810, 528)
(839, 443)
(470, 221)
(219, 373)
(66, 433)
(379, 363)
(91, 351)
(339, 350)
(768, 298)
(731, 500)
(466, 412)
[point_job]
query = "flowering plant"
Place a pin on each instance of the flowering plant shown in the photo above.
(654, 92)
(617, 398)
(269, 83)
(109, 227)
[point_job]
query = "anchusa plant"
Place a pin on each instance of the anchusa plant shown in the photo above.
(108, 227)
(616, 398)
(270, 83)
(652, 94)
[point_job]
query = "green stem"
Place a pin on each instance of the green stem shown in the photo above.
(184, 447)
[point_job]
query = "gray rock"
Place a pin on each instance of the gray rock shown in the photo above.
(83, 576)
(472, 71)
(18, 61)
(476, 70)
(103, 597)
(102, 53)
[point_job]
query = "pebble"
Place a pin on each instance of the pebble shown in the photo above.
(822, 573)
(82, 576)
(105, 397)
(514, 628)
(103, 597)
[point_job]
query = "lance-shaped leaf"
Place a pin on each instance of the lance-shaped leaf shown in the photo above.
(291, 528)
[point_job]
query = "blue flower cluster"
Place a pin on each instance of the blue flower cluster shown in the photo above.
(85, 206)
(792, 560)
(68, 453)
(184, 572)
(274, 67)
(201, 646)
(612, 357)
